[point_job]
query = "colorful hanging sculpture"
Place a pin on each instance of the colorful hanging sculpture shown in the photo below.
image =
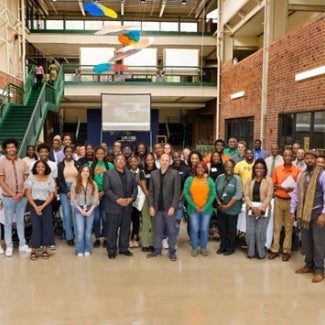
(97, 9)
(127, 35)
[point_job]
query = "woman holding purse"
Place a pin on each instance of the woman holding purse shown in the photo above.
(258, 193)
(84, 198)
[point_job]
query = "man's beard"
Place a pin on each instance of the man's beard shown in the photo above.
(309, 168)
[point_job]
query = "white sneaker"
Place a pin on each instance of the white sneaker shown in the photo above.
(24, 249)
(80, 255)
(87, 254)
(165, 243)
(1, 250)
(9, 251)
(53, 247)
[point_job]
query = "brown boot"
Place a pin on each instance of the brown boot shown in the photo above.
(304, 270)
(318, 277)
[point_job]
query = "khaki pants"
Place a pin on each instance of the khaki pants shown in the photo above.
(282, 216)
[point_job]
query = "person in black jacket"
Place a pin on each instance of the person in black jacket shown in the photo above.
(67, 174)
(164, 194)
(121, 191)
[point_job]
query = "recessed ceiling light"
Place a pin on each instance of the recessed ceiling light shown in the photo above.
(184, 2)
(142, 1)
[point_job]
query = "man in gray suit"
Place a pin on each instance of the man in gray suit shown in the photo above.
(120, 192)
(164, 192)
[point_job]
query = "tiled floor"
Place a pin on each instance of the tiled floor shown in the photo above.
(202, 290)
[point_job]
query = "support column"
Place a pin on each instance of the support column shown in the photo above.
(275, 25)
(278, 19)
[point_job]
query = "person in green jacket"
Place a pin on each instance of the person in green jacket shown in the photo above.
(229, 203)
(98, 167)
(200, 193)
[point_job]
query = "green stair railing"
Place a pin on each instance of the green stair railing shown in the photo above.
(48, 100)
(10, 94)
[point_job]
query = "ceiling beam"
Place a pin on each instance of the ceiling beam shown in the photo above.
(162, 7)
(81, 6)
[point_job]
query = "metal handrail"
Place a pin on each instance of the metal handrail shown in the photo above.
(29, 83)
(48, 99)
(10, 94)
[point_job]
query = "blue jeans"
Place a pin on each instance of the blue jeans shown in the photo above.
(199, 222)
(67, 214)
(100, 219)
(12, 208)
(84, 227)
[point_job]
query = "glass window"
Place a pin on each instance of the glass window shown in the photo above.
(74, 24)
(303, 127)
(307, 128)
(169, 27)
(38, 24)
(181, 57)
(135, 24)
(93, 24)
(54, 24)
(173, 78)
(188, 27)
(241, 128)
(112, 23)
(150, 25)
(95, 55)
(286, 130)
(319, 130)
(147, 58)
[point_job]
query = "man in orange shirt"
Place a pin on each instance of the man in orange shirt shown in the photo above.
(219, 145)
(282, 205)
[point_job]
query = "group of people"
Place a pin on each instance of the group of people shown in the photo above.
(39, 73)
(112, 193)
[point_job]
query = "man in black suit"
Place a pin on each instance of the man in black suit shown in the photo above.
(120, 192)
(164, 193)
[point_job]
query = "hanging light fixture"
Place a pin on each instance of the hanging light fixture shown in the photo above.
(184, 2)
(142, 1)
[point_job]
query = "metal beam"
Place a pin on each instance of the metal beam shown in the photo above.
(247, 17)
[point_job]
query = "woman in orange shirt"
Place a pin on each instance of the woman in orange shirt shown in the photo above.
(200, 193)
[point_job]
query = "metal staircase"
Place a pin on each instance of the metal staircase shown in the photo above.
(25, 121)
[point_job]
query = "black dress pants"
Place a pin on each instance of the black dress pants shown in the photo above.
(116, 222)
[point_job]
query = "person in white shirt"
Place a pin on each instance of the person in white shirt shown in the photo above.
(31, 156)
(274, 160)
(300, 159)
(43, 151)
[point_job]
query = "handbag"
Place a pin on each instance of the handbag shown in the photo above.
(139, 201)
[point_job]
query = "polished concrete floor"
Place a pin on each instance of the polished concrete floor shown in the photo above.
(135, 290)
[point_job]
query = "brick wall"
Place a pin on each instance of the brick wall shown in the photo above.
(301, 50)
(5, 78)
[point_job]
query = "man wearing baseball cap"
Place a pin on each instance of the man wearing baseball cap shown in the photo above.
(308, 202)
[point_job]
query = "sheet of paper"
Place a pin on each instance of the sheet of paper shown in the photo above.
(289, 182)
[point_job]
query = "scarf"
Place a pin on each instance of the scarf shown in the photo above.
(306, 196)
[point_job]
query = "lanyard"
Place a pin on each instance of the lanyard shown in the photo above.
(85, 194)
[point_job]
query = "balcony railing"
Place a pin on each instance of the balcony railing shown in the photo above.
(162, 75)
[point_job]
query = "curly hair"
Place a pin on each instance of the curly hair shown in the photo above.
(47, 167)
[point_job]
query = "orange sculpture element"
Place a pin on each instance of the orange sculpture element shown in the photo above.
(123, 39)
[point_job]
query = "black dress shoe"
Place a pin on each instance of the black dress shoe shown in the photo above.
(229, 252)
(105, 243)
(112, 256)
(126, 253)
(96, 243)
(221, 251)
(70, 242)
(151, 249)
(145, 249)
